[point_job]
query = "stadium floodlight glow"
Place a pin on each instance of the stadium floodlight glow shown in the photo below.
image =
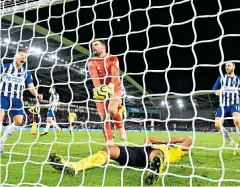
(53, 56)
(181, 105)
(162, 103)
(6, 40)
(179, 101)
(21, 45)
(62, 60)
(36, 50)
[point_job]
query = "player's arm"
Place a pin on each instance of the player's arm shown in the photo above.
(31, 88)
(152, 140)
(217, 87)
(94, 74)
(115, 70)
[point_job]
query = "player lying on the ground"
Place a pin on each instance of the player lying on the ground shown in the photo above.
(226, 88)
(105, 73)
(13, 78)
(52, 111)
(35, 111)
(157, 157)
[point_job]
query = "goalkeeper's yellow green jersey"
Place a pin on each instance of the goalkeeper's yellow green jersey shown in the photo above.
(72, 117)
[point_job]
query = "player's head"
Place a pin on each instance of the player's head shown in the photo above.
(230, 67)
(21, 56)
(99, 47)
(52, 90)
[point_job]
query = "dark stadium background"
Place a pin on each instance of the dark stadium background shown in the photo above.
(180, 80)
(136, 45)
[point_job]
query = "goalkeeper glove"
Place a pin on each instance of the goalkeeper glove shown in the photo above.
(103, 92)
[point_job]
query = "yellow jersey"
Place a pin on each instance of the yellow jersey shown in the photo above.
(34, 110)
(171, 154)
(72, 117)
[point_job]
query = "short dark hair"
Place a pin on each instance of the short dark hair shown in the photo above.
(22, 50)
(103, 42)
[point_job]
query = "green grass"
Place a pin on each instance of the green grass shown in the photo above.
(27, 162)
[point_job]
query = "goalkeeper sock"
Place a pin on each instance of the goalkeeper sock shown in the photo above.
(99, 158)
(227, 136)
(108, 133)
(47, 127)
(119, 125)
(8, 132)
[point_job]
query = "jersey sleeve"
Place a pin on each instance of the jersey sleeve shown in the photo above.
(115, 70)
(29, 79)
(217, 84)
(94, 74)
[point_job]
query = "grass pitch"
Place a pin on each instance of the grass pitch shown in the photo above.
(25, 161)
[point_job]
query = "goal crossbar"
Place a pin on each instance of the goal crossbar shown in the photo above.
(28, 6)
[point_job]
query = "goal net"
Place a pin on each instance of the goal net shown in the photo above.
(170, 53)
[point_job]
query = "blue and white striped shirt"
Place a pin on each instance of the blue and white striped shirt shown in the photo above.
(54, 98)
(12, 80)
(230, 86)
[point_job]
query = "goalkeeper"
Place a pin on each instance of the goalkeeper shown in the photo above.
(105, 73)
(35, 111)
(153, 156)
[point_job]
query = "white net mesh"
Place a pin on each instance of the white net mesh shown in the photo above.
(188, 38)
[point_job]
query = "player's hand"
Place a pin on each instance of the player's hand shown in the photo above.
(219, 92)
(40, 96)
(103, 92)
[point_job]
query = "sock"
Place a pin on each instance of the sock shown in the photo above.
(8, 132)
(119, 125)
(238, 131)
(107, 131)
(0, 127)
(34, 128)
(47, 127)
(54, 124)
(227, 136)
(99, 158)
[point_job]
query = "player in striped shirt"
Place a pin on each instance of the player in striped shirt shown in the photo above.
(52, 111)
(227, 88)
(13, 78)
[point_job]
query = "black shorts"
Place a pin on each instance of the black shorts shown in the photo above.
(36, 118)
(136, 156)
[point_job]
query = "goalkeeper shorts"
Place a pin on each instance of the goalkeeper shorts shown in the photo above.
(102, 105)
